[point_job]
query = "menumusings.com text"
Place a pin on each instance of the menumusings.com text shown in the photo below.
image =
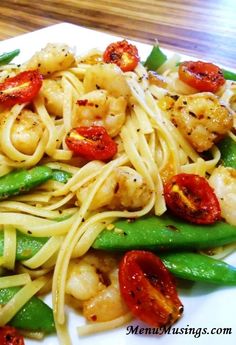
(196, 332)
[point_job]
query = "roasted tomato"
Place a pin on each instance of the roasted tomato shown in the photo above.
(148, 289)
(123, 54)
(10, 336)
(191, 197)
(21, 88)
(91, 143)
(203, 76)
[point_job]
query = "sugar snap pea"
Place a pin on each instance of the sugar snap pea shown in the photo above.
(6, 58)
(26, 246)
(227, 148)
(19, 181)
(35, 315)
(60, 175)
(198, 267)
(155, 59)
(228, 75)
(162, 233)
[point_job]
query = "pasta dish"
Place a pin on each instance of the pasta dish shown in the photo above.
(89, 143)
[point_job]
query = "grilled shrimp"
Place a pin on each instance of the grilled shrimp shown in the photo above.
(26, 131)
(52, 58)
(83, 282)
(93, 280)
(107, 77)
(100, 109)
(125, 189)
(53, 94)
(84, 277)
(223, 180)
(202, 119)
(107, 304)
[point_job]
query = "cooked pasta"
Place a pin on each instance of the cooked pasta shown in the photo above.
(144, 121)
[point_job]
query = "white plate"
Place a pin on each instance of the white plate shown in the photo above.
(206, 306)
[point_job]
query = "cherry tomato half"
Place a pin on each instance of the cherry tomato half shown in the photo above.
(148, 289)
(21, 88)
(10, 336)
(203, 76)
(123, 54)
(191, 197)
(91, 143)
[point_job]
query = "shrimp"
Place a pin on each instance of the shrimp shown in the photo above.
(106, 77)
(202, 119)
(93, 281)
(100, 109)
(53, 94)
(51, 59)
(26, 131)
(107, 304)
(83, 282)
(223, 180)
(84, 277)
(124, 189)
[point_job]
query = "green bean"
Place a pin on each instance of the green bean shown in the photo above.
(35, 315)
(198, 267)
(162, 233)
(6, 58)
